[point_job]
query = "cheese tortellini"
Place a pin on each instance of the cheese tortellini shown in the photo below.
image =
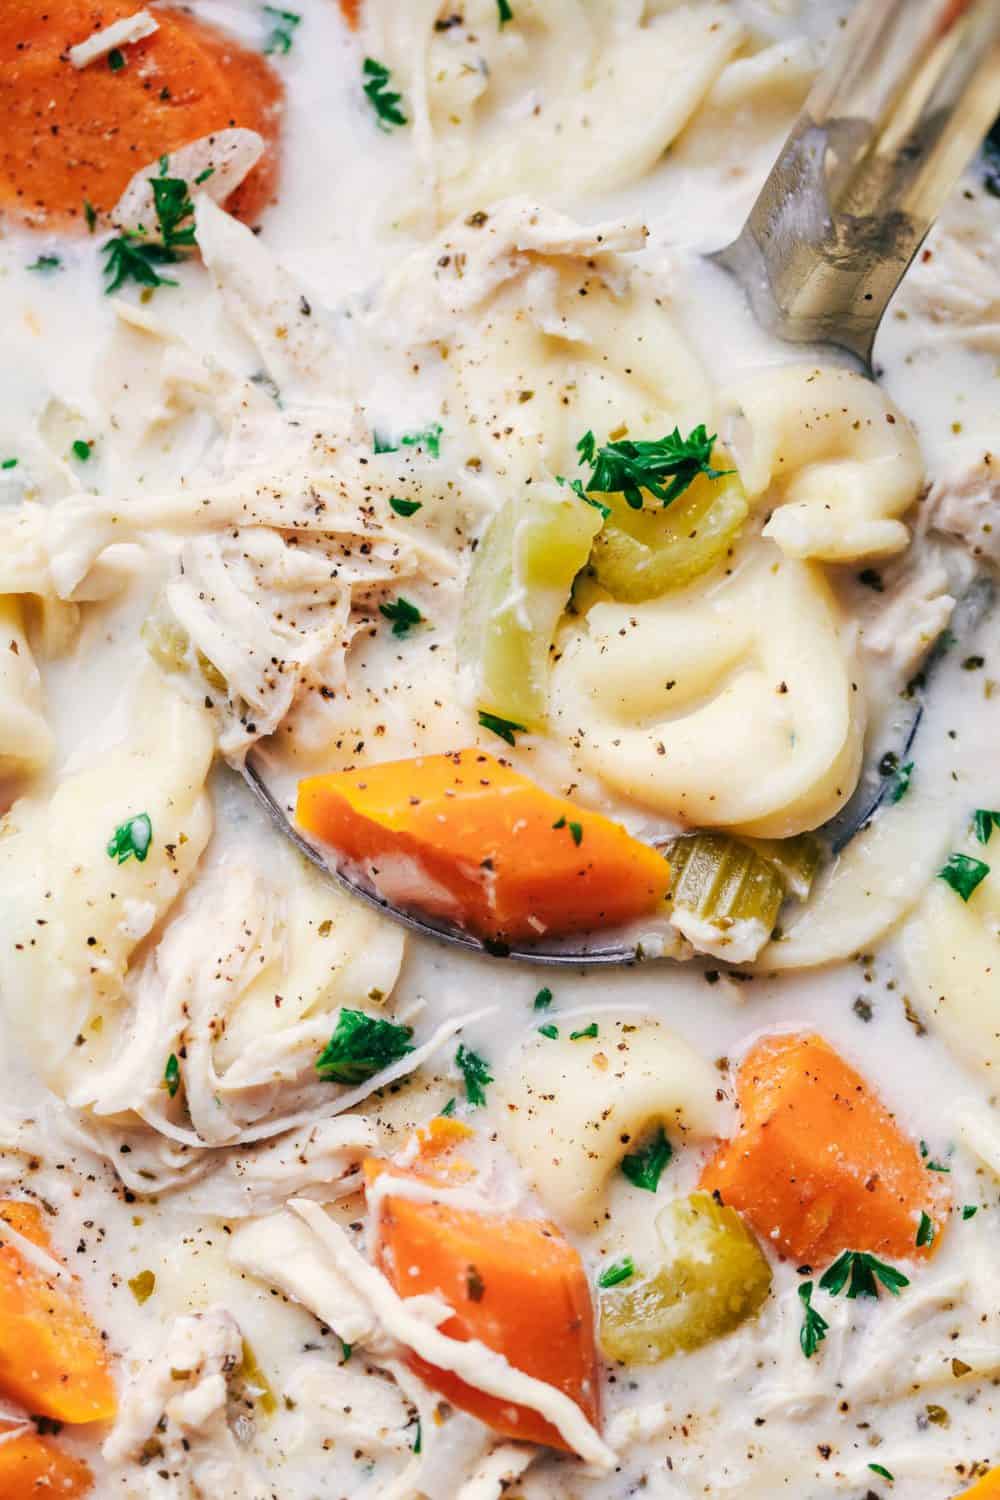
(25, 740)
(571, 1108)
(736, 706)
(832, 451)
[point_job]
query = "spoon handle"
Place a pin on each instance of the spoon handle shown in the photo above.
(884, 134)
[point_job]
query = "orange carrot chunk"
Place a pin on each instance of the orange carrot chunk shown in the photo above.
(75, 135)
(52, 1359)
(351, 12)
(819, 1165)
(31, 1468)
(464, 837)
(516, 1285)
(988, 1488)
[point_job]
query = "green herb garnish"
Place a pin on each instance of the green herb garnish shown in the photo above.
(116, 59)
(404, 507)
(901, 778)
(963, 873)
(403, 615)
(925, 1231)
(46, 264)
(130, 258)
(9, 463)
(506, 14)
(131, 838)
(172, 1075)
(627, 468)
(645, 1167)
(576, 485)
(543, 999)
(505, 728)
(385, 103)
(814, 1326)
(970, 1210)
(282, 32)
(588, 1031)
(475, 1070)
(864, 1271)
(614, 1275)
(550, 1031)
(346, 1350)
(932, 1166)
(360, 1047)
(984, 822)
(882, 1472)
(174, 208)
(90, 215)
(81, 450)
(576, 830)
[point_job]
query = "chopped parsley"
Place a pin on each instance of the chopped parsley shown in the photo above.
(627, 468)
(385, 103)
(128, 257)
(925, 1230)
(428, 437)
(506, 14)
(346, 1350)
(963, 873)
(505, 728)
(403, 615)
(9, 463)
(172, 1075)
(645, 1167)
(475, 1070)
(404, 507)
(418, 1440)
(116, 59)
(615, 1274)
(576, 485)
(901, 778)
(932, 1166)
(814, 1326)
(362, 1046)
(82, 449)
(970, 1210)
(131, 838)
(865, 1272)
(882, 1472)
(46, 264)
(576, 830)
(282, 33)
(588, 1031)
(174, 210)
(550, 1031)
(543, 999)
(90, 215)
(984, 822)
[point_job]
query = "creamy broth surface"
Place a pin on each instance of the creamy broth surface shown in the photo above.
(484, 267)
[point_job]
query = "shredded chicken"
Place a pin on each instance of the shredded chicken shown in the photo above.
(967, 506)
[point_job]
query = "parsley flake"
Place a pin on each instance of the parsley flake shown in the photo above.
(174, 208)
(901, 778)
(506, 14)
(576, 485)
(882, 1472)
(984, 822)
(475, 1070)
(9, 463)
(90, 215)
(970, 1210)
(129, 258)
(172, 1075)
(550, 1031)
(418, 1440)
(932, 1166)
(346, 1350)
(46, 264)
(576, 830)
(925, 1231)
(403, 615)
(116, 59)
(588, 1031)
(963, 873)
(615, 1274)
(360, 1047)
(131, 838)
(543, 999)
(627, 468)
(645, 1167)
(404, 507)
(865, 1272)
(449, 1109)
(82, 450)
(385, 103)
(814, 1326)
(505, 728)
(282, 33)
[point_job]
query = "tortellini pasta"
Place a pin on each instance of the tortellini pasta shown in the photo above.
(509, 109)
(25, 739)
(734, 706)
(834, 455)
(75, 914)
(569, 1109)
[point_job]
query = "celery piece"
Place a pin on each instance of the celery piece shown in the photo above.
(518, 588)
(713, 1277)
(796, 860)
(726, 897)
(641, 554)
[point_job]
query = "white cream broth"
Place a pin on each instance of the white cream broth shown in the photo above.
(388, 341)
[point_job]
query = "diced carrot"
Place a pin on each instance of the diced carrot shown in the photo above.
(73, 135)
(988, 1488)
(516, 1285)
(31, 1468)
(351, 11)
(819, 1165)
(428, 1154)
(465, 837)
(52, 1358)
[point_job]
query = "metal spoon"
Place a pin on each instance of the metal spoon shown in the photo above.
(883, 137)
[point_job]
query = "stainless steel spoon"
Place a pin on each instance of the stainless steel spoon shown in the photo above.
(884, 135)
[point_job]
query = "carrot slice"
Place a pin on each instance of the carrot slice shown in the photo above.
(516, 1285)
(52, 1358)
(31, 1467)
(73, 135)
(819, 1165)
(988, 1488)
(465, 837)
(351, 12)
